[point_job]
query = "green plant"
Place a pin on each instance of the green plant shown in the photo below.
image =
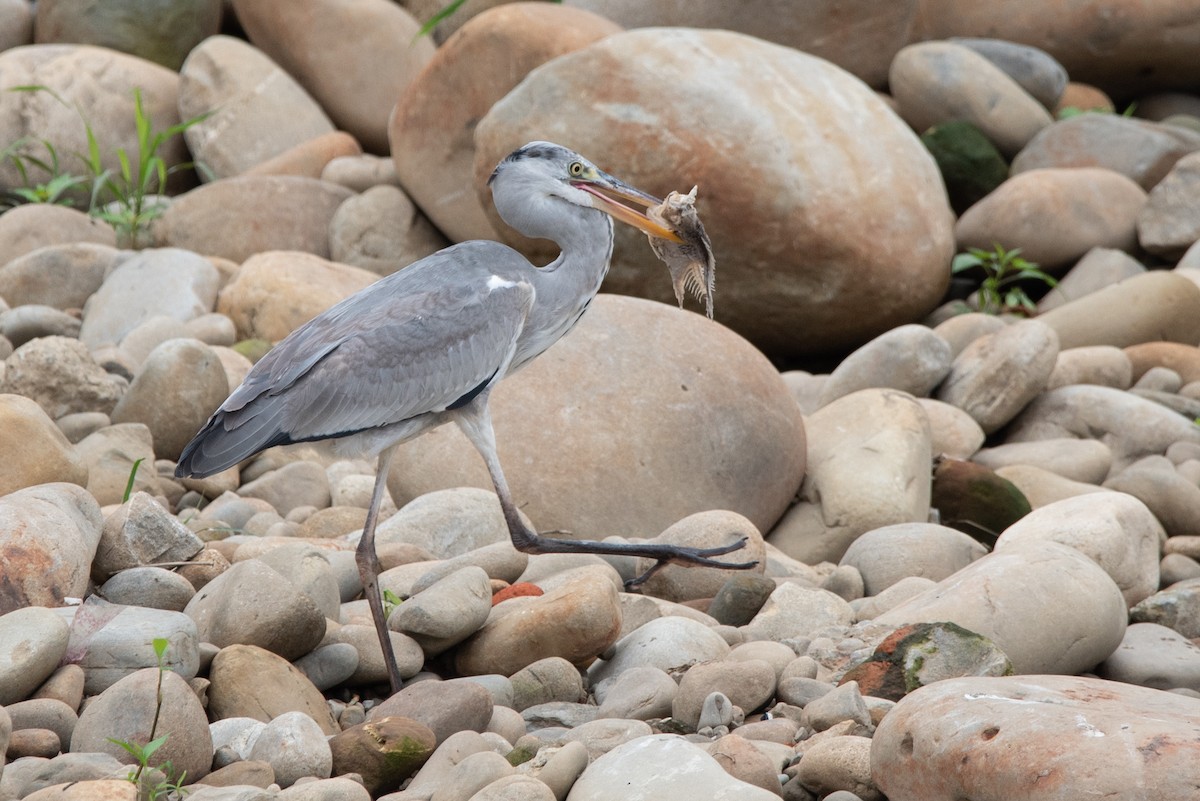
(154, 788)
(1001, 270)
(390, 601)
(125, 199)
(57, 183)
(132, 477)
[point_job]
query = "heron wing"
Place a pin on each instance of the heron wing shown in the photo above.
(418, 341)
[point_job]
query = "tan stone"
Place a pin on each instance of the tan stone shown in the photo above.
(27, 228)
(33, 450)
(354, 56)
(1157, 305)
(309, 159)
(1056, 215)
(276, 292)
(577, 622)
(289, 213)
(248, 681)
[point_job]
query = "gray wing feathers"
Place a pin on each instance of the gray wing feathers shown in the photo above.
(412, 343)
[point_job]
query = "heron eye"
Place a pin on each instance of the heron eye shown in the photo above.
(576, 169)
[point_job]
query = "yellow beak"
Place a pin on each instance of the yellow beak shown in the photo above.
(612, 191)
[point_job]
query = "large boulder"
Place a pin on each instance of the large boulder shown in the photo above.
(638, 418)
(829, 218)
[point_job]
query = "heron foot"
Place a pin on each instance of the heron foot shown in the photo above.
(693, 557)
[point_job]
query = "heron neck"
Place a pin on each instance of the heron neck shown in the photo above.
(567, 285)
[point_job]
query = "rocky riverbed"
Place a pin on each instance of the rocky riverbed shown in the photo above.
(974, 513)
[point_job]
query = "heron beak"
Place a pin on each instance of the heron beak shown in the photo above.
(615, 194)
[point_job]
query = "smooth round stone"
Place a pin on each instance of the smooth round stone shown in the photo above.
(703, 530)
(800, 691)
(868, 466)
(740, 598)
(339, 788)
(257, 110)
(662, 766)
(445, 707)
(247, 681)
(998, 374)
(640, 693)
(309, 571)
(24, 323)
(236, 735)
(775, 654)
(447, 523)
(873, 606)
(1168, 226)
(301, 483)
(840, 763)
(508, 723)
(1182, 359)
(1177, 567)
(577, 622)
(447, 612)
(963, 329)
(1034, 69)
(1120, 315)
(475, 772)
(53, 255)
(746, 683)
(34, 450)
(1131, 427)
(32, 641)
(515, 788)
(1155, 656)
(295, 747)
(1046, 605)
(253, 604)
(45, 714)
(33, 742)
(1057, 215)
(885, 556)
(1115, 530)
(841, 703)
(717, 711)
(602, 736)
(371, 667)
(1041, 487)
(668, 643)
(126, 710)
(329, 665)
(976, 738)
(1170, 495)
(169, 282)
(48, 535)
(934, 82)
(1099, 268)
(545, 681)
(61, 375)
(953, 432)
(125, 645)
(381, 231)
(795, 611)
(180, 385)
(911, 358)
(1142, 150)
(1085, 460)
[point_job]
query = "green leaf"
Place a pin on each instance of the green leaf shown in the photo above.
(965, 261)
(160, 647)
(152, 746)
(438, 18)
(132, 748)
(132, 476)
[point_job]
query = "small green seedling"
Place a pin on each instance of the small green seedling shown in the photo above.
(148, 788)
(1001, 270)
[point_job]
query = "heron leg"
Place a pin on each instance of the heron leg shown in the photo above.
(368, 569)
(476, 422)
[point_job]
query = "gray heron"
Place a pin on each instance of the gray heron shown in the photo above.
(425, 345)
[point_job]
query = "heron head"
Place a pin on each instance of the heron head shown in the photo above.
(559, 172)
